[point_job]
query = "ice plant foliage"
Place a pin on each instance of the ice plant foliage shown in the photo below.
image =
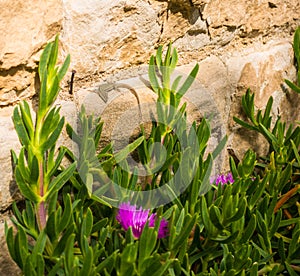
(66, 227)
(129, 216)
(223, 179)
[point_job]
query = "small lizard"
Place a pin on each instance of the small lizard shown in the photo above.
(103, 90)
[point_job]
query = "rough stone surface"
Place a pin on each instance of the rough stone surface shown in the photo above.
(263, 72)
(8, 140)
(124, 35)
(25, 28)
(122, 111)
(238, 44)
(249, 18)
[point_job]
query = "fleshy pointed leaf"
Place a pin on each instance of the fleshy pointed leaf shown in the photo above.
(152, 75)
(121, 155)
(64, 68)
(57, 183)
(54, 135)
(25, 189)
(190, 79)
(20, 128)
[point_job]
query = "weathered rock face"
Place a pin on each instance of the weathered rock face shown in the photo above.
(104, 37)
(8, 140)
(25, 28)
(238, 44)
(127, 32)
(263, 72)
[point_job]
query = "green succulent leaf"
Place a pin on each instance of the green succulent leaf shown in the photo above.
(147, 244)
(189, 81)
(57, 183)
(188, 224)
(215, 217)
(44, 60)
(87, 267)
(63, 70)
(121, 155)
(25, 189)
(152, 75)
(20, 128)
(51, 140)
(249, 230)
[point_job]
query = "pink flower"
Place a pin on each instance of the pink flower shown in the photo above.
(223, 179)
(130, 216)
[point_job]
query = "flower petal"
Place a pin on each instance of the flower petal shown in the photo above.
(129, 216)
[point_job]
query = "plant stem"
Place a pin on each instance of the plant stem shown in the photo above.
(41, 215)
(286, 197)
(41, 210)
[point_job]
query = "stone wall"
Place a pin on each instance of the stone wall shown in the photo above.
(238, 44)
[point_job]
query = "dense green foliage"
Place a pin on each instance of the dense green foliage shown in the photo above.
(68, 225)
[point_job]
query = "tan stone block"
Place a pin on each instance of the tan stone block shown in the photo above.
(25, 28)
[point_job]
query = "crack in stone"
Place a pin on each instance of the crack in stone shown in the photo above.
(201, 8)
(191, 3)
(168, 10)
(15, 69)
(162, 23)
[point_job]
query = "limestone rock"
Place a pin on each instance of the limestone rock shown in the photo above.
(264, 73)
(108, 35)
(122, 118)
(120, 114)
(213, 75)
(8, 141)
(249, 18)
(25, 27)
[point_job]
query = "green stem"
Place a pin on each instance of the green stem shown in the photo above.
(204, 264)
(41, 215)
(41, 208)
(38, 130)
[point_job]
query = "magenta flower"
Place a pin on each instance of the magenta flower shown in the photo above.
(223, 179)
(130, 216)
